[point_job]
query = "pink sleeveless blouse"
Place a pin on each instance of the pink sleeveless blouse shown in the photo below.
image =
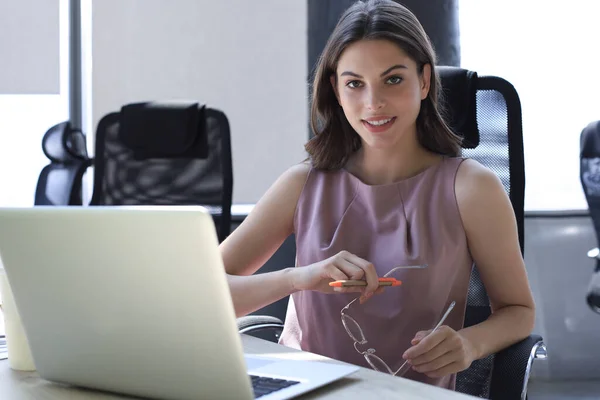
(414, 221)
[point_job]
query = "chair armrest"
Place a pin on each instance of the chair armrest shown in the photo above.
(512, 366)
(252, 323)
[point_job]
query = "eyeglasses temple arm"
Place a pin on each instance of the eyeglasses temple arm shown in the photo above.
(434, 329)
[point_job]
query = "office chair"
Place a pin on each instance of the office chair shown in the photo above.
(589, 174)
(486, 112)
(59, 183)
(165, 153)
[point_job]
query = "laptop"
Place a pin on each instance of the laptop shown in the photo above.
(135, 300)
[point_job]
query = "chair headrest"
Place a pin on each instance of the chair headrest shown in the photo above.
(459, 102)
(62, 144)
(590, 141)
(164, 129)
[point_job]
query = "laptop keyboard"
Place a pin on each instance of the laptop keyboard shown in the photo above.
(263, 385)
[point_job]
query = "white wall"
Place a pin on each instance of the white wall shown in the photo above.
(247, 58)
(29, 47)
(33, 90)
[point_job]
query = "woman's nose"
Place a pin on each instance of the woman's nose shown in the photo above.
(373, 100)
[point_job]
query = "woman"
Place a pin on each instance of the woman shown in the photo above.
(384, 187)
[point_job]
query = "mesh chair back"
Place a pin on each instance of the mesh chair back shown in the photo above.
(589, 171)
(122, 179)
(589, 175)
(500, 148)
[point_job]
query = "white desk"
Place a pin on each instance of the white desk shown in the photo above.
(364, 384)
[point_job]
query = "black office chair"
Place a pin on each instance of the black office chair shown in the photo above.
(59, 183)
(486, 112)
(589, 173)
(165, 153)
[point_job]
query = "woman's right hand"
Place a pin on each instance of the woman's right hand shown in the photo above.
(343, 265)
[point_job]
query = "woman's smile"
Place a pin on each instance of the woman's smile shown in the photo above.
(378, 124)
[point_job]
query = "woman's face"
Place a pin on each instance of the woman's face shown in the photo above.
(380, 91)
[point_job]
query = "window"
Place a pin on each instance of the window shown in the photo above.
(548, 52)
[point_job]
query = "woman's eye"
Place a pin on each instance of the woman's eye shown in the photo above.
(353, 84)
(394, 80)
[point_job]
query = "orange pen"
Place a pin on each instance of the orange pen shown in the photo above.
(360, 282)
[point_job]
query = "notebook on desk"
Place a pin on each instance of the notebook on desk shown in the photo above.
(135, 300)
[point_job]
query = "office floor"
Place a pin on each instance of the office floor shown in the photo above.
(569, 328)
(564, 390)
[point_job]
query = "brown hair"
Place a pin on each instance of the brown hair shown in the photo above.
(335, 140)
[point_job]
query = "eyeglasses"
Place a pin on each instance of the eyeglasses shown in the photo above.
(356, 333)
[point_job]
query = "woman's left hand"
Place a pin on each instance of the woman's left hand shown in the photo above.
(443, 352)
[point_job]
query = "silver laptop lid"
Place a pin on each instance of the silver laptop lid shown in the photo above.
(126, 299)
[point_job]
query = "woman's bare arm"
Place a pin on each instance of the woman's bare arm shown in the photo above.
(491, 229)
(251, 245)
